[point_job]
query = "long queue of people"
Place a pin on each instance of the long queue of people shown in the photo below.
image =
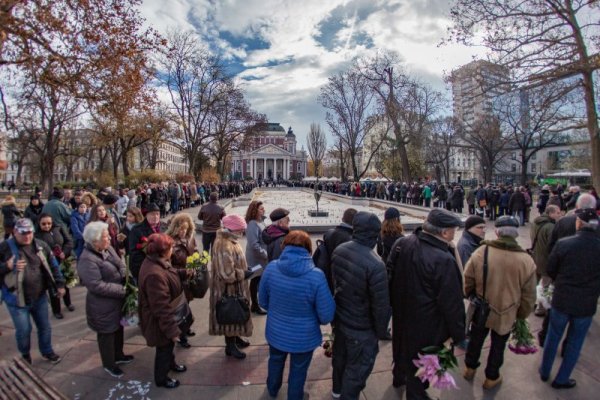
(365, 276)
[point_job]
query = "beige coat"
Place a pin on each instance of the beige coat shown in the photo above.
(510, 288)
(228, 267)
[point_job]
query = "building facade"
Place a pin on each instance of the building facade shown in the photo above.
(271, 155)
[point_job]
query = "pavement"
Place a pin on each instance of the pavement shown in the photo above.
(212, 375)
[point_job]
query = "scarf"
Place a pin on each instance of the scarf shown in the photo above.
(504, 243)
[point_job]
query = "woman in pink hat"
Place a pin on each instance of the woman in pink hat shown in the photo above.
(229, 273)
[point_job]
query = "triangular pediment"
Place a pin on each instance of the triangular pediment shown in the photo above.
(271, 149)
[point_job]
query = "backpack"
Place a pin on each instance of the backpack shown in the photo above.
(321, 256)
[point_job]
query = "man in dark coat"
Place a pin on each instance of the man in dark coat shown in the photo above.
(273, 234)
(211, 215)
(471, 237)
(362, 307)
(138, 236)
(426, 295)
(516, 204)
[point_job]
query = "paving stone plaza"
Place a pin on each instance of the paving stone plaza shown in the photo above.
(211, 375)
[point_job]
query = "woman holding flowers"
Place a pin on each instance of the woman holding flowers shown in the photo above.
(102, 272)
(181, 230)
(61, 244)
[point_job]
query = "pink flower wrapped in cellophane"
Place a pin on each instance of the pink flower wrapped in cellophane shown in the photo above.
(521, 340)
(434, 369)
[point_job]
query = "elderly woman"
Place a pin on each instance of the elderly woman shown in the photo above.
(298, 301)
(229, 273)
(256, 249)
(59, 241)
(103, 273)
(181, 229)
(160, 289)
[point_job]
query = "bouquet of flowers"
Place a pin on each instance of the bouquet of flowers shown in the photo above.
(544, 295)
(142, 244)
(328, 344)
(68, 272)
(433, 366)
(198, 283)
(521, 340)
(130, 306)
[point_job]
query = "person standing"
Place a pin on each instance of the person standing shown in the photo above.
(60, 213)
(256, 249)
(362, 307)
(229, 274)
(211, 214)
(427, 196)
(471, 237)
(573, 264)
(426, 296)
(509, 289)
(27, 270)
(298, 301)
(10, 214)
(139, 236)
(273, 235)
(516, 204)
(334, 237)
(102, 272)
(34, 209)
(78, 220)
(391, 230)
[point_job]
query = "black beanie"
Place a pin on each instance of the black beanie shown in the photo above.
(472, 221)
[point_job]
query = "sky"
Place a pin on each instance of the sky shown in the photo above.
(283, 51)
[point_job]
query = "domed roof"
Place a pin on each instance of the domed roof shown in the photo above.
(290, 133)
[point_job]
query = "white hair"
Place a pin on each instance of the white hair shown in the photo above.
(585, 200)
(510, 231)
(93, 231)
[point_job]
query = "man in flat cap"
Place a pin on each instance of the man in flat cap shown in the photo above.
(509, 290)
(273, 234)
(426, 296)
(573, 264)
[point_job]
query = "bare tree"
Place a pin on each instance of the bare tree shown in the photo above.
(540, 42)
(486, 139)
(348, 97)
(316, 142)
(440, 146)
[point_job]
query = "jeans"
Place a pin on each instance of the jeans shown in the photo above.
(208, 239)
(111, 347)
(55, 301)
(353, 360)
(521, 215)
(496, 356)
(38, 310)
(299, 363)
(578, 328)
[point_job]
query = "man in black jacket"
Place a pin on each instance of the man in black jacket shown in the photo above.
(362, 307)
(139, 235)
(426, 295)
(573, 264)
(566, 225)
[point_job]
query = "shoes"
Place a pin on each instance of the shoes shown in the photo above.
(233, 351)
(335, 395)
(71, 307)
(570, 384)
(258, 311)
(169, 383)
(241, 343)
(115, 372)
(27, 357)
(126, 359)
(539, 312)
(190, 333)
(492, 383)
(398, 382)
(178, 368)
(464, 344)
(469, 373)
(185, 344)
(544, 378)
(58, 316)
(541, 338)
(52, 357)
(388, 335)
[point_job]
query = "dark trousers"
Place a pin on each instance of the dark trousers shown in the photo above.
(496, 356)
(353, 360)
(208, 239)
(55, 301)
(254, 292)
(299, 363)
(111, 347)
(163, 361)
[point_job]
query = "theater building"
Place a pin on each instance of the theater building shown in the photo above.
(270, 155)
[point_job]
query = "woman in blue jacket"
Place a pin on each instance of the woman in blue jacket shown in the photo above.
(78, 221)
(298, 301)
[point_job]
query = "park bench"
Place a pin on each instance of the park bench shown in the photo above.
(18, 381)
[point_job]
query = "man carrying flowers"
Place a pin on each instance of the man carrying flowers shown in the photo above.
(509, 291)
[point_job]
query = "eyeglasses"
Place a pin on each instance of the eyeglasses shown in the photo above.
(25, 233)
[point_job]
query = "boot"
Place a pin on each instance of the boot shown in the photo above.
(232, 350)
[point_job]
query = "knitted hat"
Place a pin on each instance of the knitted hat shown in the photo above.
(109, 199)
(234, 223)
(391, 213)
(472, 221)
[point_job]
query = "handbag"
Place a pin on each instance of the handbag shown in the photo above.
(198, 284)
(182, 313)
(480, 304)
(232, 309)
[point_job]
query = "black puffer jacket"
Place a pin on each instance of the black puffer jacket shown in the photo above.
(360, 280)
(573, 264)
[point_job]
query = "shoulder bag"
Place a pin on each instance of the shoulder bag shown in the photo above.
(182, 313)
(198, 284)
(480, 304)
(232, 309)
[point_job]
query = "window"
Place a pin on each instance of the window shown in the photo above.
(513, 157)
(533, 156)
(533, 167)
(514, 167)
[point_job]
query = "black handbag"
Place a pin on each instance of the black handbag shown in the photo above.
(182, 314)
(232, 309)
(481, 305)
(198, 284)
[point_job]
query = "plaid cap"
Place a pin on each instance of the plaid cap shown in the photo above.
(24, 225)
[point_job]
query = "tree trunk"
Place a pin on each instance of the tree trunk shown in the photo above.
(524, 162)
(125, 161)
(592, 126)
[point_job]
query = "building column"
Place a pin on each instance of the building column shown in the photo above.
(264, 174)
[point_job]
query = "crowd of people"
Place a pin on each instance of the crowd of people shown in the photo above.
(366, 278)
